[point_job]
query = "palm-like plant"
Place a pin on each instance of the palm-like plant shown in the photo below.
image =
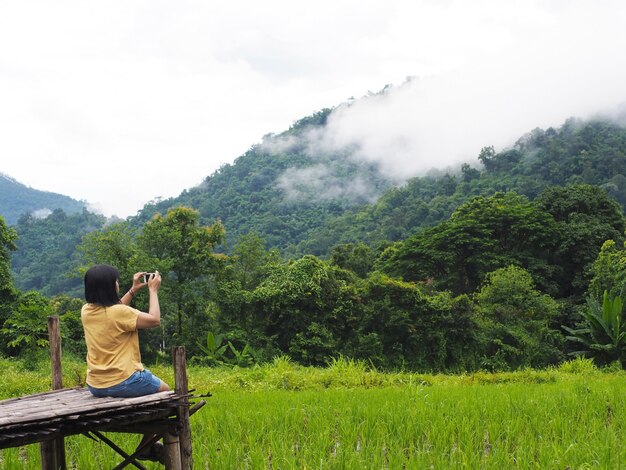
(215, 352)
(213, 349)
(602, 333)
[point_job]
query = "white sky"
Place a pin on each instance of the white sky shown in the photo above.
(120, 102)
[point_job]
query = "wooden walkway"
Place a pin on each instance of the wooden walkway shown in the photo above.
(50, 416)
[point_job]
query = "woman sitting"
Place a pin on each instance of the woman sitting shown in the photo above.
(114, 367)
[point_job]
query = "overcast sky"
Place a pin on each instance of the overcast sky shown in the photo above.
(120, 102)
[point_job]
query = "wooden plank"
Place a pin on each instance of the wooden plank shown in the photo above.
(170, 406)
(169, 409)
(73, 394)
(21, 439)
(37, 396)
(130, 423)
(52, 408)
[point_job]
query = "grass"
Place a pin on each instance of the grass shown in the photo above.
(345, 416)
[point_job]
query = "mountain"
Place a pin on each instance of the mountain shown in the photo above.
(591, 152)
(17, 199)
(304, 202)
(281, 188)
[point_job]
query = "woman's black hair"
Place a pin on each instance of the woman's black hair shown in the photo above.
(100, 285)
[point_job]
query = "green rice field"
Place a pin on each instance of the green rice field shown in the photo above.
(345, 416)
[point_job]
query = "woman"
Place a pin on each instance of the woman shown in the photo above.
(114, 367)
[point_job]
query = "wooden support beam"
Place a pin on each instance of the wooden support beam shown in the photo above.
(171, 441)
(182, 388)
(128, 459)
(54, 334)
(53, 452)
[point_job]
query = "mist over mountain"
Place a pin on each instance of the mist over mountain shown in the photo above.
(17, 199)
(578, 152)
(281, 188)
(306, 190)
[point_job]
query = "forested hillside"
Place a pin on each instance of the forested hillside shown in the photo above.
(592, 152)
(17, 199)
(280, 188)
(250, 195)
(46, 259)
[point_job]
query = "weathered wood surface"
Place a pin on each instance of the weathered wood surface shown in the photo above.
(65, 412)
(180, 377)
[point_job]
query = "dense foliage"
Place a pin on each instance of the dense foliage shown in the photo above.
(556, 238)
(602, 333)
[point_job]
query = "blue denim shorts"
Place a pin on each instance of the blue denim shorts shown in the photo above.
(140, 383)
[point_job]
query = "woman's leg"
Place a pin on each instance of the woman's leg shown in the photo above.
(164, 387)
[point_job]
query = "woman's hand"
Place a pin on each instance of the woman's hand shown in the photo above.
(138, 284)
(153, 317)
(154, 282)
(138, 281)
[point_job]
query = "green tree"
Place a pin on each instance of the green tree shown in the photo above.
(487, 157)
(399, 326)
(585, 218)
(468, 173)
(608, 271)
(68, 310)
(356, 257)
(25, 331)
(183, 250)
(515, 321)
(299, 309)
(297, 302)
(114, 245)
(249, 259)
(482, 235)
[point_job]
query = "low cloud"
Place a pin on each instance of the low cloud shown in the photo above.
(319, 183)
(41, 213)
(442, 121)
(533, 66)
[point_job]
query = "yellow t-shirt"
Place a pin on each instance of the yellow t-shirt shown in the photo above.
(112, 343)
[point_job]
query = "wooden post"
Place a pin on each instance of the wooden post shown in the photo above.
(54, 333)
(53, 452)
(171, 443)
(182, 389)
